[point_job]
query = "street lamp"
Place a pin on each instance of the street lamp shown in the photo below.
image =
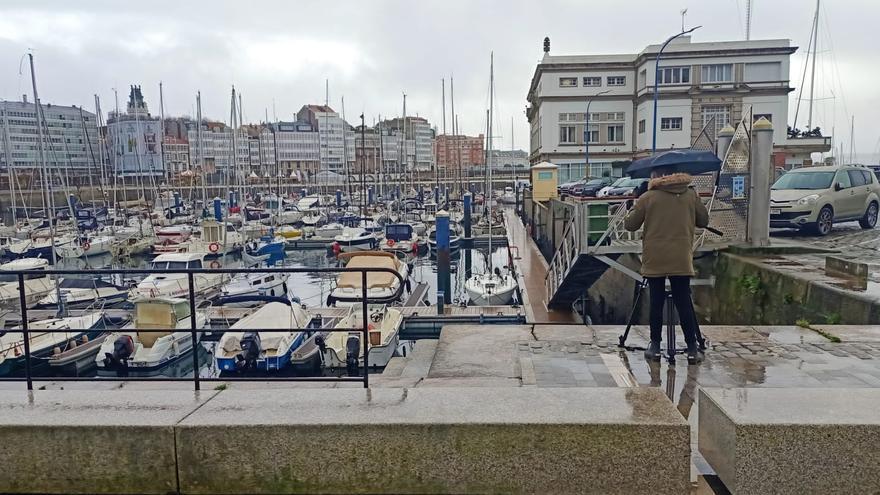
(657, 81)
(587, 131)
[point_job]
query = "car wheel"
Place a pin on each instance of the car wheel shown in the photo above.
(869, 221)
(825, 221)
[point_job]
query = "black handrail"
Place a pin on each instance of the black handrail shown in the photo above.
(195, 378)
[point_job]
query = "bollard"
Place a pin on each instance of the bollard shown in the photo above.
(441, 299)
(758, 233)
(338, 198)
(468, 209)
(177, 202)
(437, 195)
(370, 195)
(725, 137)
(218, 210)
(443, 255)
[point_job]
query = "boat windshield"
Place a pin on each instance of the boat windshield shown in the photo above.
(169, 265)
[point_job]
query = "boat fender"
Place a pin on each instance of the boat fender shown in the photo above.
(215, 264)
(86, 245)
(214, 247)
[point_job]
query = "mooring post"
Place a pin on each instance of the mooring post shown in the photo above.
(370, 195)
(468, 199)
(218, 210)
(443, 255)
(760, 178)
(177, 202)
(339, 198)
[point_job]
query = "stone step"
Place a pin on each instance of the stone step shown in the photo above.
(419, 361)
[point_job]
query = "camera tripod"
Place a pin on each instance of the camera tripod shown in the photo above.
(670, 317)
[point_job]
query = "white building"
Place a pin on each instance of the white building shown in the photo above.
(296, 146)
(70, 137)
(134, 139)
(510, 161)
(212, 149)
(698, 81)
(415, 146)
(335, 136)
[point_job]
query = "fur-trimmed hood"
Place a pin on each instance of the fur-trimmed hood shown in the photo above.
(674, 183)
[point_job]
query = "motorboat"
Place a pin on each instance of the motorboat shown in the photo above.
(329, 231)
(454, 238)
(345, 349)
(217, 239)
(241, 349)
(84, 293)
(508, 197)
(133, 245)
(78, 356)
(273, 246)
(36, 285)
(254, 283)
(161, 334)
(288, 232)
(46, 337)
(174, 234)
(355, 239)
(400, 237)
(177, 284)
(490, 289)
(382, 287)
(89, 246)
(481, 227)
(289, 217)
(36, 247)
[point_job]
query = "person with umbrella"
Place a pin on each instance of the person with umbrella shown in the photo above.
(670, 211)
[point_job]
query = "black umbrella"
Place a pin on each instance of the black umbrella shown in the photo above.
(685, 160)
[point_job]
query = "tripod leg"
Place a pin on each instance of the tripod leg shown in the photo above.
(640, 287)
(670, 329)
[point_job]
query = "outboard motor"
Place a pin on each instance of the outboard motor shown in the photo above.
(251, 347)
(123, 347)
(352, 350)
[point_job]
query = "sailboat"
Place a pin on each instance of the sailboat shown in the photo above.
(490, 288)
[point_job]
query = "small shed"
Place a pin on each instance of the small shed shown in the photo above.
(545, 181)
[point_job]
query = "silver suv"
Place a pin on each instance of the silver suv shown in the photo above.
(816, 197)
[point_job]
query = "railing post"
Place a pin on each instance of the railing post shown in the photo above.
(22, 300)
(192, 323)
(365, 329)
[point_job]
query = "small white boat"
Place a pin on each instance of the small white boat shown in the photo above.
(345, 349)
(329, 231)
(43, 343)
(254, 284)
(509, 196)
(490, 289)
(36, 285)
(174, 234)
(313, 217)
(84, 292)
(289, 217)
(382, 287)
(78, 356)
(160, 334)
(240, 349)
(80, 247)
(216, 239)
(177, 284)
(355, 239)
(400, 237)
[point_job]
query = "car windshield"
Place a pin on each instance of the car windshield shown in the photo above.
(804, 180)
(620, 181)
(596, 182)
(631, 183)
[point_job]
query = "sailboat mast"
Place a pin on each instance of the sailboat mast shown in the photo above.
(7, 154)
(489, 151)
(813, 70)
(201, 159)
(162, 126)
(345, 170)
(44, 175)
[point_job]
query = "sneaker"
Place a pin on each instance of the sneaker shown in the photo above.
(652, 353)
(694, 354)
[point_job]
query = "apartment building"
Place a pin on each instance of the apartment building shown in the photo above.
(296, 146)
(510, 161)
(454, 151)
(175, 153)
(134, 138)
(698, 82)
(415, 142)
(336, 137)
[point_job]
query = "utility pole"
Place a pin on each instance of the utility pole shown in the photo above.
(748, 20)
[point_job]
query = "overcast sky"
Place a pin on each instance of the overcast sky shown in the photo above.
(279, 54)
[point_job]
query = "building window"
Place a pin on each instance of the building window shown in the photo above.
(616, 80)
(593, 134)
(717, 73)
(602, 169)
(592, 82)
(756, 117)
(643, 78)
(615, 134)
(568, 82)
(642, 126)
(674, 75)
(670, 123)
(566, 134)
(721, 113)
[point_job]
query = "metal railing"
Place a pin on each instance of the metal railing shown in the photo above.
(24, 329)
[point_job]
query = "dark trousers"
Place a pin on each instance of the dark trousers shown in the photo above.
(681, 296)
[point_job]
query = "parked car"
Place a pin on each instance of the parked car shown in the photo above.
(592, 187)
(815, 198)
(604, 191)
(566, 187)
(627, 188)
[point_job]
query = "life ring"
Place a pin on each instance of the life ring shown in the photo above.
(215, 264)
(86, 245)
(213, 247)
(390, 242)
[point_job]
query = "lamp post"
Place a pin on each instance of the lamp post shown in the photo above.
(657, 81)
(587, 131)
